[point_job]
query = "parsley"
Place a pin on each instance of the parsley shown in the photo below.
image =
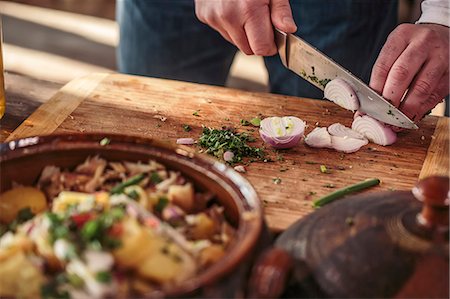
(276, 181)
(162, 203)
(245, 122)
(131, 181)
(216, 142)
(155, 178)
(324, 169)
(103, 276)
(195, 113)
(187, 128)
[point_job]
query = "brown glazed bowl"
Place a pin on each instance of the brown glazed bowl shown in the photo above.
(22, 161)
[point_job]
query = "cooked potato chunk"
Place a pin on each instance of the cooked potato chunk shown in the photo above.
(14, 200)
(182, 196)
(19, 278)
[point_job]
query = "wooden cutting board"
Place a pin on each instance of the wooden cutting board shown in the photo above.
(117, 103)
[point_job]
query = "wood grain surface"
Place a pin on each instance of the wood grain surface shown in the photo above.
(134, 105)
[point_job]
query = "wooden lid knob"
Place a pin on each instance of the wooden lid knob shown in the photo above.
(434, 193)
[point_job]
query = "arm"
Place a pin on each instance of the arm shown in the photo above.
(247, 23)
(415, 61)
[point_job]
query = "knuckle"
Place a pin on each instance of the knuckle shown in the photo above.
(381, 69)
(399, 73)
(422, 88)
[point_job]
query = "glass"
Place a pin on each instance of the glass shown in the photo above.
(2, 78)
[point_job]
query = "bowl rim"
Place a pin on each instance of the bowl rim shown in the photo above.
(245, 197)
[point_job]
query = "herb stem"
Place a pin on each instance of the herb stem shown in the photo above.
(132, 181)
(345, 191)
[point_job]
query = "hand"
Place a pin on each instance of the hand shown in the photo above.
(415, 60)
(247, 23)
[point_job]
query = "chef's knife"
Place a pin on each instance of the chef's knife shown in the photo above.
(318, 69)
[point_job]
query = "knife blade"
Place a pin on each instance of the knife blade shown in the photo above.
(318, 69)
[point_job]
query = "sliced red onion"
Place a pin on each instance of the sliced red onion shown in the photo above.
(185, 141)
(341, 93)
(319, 137)
(347, 144)
(339, 130)
(228, 156)
(282, 132)
(374, 130)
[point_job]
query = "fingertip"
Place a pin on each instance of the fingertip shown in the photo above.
(286, 24)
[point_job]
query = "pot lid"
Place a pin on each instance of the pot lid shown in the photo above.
(376, 245)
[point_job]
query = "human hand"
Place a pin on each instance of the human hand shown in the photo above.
(415, 60)
(247, 23)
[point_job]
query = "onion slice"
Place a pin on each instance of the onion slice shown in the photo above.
(340, 130)
(347, 144)
(282, 132)
(341, 93)
(319, 137)
(185, 141)
(374, 130)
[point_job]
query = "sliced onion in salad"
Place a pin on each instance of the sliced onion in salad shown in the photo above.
(374, 130)
(341, 93)
(347, 144)
(319, 137)
(282, 132)
(339, 130)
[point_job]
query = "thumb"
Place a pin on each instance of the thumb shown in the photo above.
(281, 15)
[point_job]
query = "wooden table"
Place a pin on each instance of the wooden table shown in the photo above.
(116, 103)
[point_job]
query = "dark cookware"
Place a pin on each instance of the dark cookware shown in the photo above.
(382, 245)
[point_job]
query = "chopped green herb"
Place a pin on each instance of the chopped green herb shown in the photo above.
(24, 214)
(283, 169)
(311, 162)
(91, 230)
(105, 141)
(103, 277)
(155, 178)
(187, 128)
(216, 142)
(256, 121)
(276, 181)
(158, 125)
(75, 280)
(245, 122)
(133, 195)
(311, 193)
(132, 181)
(280, 157)
(227, 119)
(162, 203)
(196, 113)
(329, 185)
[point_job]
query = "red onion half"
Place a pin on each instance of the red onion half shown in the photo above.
(374, 130)
(341, 93)
(319, 137)
(282, 132)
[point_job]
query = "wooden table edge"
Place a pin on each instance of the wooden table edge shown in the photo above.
(437, 158)
(47, 118)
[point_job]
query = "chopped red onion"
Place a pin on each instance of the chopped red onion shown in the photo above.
(282, 132)
(341, 92)
(228, 156)
(347, 144)
(319, 137)
(185, 141)
(340, 130)
(240, 168)
(374, 130)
